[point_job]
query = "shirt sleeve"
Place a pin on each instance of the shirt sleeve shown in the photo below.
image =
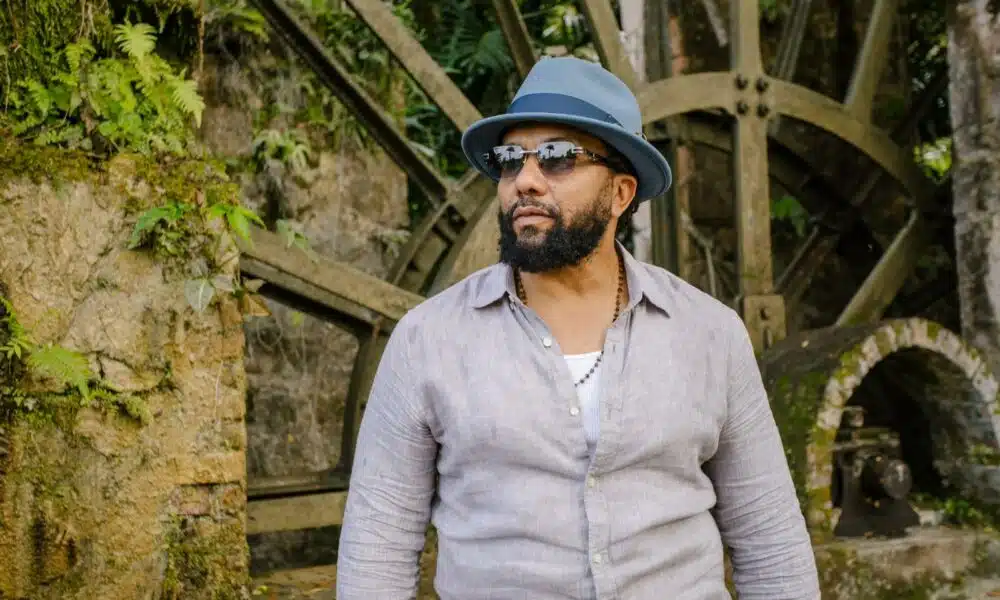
(392, 483)
(757, 509)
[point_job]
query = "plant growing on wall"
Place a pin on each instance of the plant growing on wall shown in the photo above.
(135, 102)
(70, 370)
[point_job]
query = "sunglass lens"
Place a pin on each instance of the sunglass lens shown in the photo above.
(556, 157)
(508, 159)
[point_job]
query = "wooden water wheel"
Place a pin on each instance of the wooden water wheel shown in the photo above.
(733, 110)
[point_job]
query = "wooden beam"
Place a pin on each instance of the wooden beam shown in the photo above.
(885, 280)
(744, 53)
(331, 283)
(607, 41)
(295, 513)
(871, 61)
(417, 62)
(516, 34)
(337, 79)
(763, 311)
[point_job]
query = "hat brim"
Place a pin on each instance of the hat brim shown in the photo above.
(651, 168)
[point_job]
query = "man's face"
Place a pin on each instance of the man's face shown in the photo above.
(555, 217)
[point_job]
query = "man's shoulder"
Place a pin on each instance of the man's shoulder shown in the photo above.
(447, 307)
(686, 300)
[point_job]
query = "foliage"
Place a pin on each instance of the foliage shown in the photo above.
(288, 148)
(69, 369)
(935, 158)
(926, 33)
(133, 102)
(193, 228)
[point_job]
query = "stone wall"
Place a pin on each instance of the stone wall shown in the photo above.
(140, 492)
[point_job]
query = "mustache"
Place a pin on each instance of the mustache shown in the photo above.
(532, 203)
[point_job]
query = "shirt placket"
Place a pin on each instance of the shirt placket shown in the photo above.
(595, 495)
(595, 501)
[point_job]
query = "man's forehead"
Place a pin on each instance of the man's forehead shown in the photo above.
(532, 134)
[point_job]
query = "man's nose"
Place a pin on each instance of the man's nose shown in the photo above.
(530, 180)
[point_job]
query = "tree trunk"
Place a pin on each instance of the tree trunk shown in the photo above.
(974, 65)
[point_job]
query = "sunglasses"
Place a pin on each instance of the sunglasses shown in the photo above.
(554, 158)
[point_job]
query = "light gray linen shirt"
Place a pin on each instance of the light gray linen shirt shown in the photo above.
(473, 422)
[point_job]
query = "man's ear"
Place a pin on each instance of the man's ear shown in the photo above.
(624, 193)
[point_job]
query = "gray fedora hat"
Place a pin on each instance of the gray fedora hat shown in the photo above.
(580, 94)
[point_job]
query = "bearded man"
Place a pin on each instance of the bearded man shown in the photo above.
(575, 423)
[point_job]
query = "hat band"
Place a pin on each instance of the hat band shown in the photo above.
(560, 104)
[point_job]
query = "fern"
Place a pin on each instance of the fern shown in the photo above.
(138, 40)
(65, 366)
(135, 101)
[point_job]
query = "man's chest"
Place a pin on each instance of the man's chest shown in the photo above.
(657, 403)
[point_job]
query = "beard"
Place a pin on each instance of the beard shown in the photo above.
(565, 244)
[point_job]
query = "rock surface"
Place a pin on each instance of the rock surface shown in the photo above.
(94, 504)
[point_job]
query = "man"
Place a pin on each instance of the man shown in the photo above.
(575, 423)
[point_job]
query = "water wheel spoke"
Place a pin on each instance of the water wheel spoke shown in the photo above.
(792, 34)
(787, 59)
(607, 40)
(794, 282)
(753, 211)
(516, 34)
(872, 59)
(418, 63)
(744, 55)
(885, 280)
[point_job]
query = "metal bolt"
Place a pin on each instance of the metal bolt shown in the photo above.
(742, 82)
(762, 84)
(742, 107)
(762, 110)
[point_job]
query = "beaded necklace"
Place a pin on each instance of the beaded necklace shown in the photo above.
(519, 287)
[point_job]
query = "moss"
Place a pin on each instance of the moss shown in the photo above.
(843, 575)
(205, 560)
(40, 163)
(796, 404)
(933, 330)
(884, 342)
(33, 33)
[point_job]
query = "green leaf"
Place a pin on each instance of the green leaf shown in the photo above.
(147, 221)
(138, 40)
(185, 94)
(199, 293)
(63, 365)
(239, 219)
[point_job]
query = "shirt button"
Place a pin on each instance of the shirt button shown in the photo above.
(598, 559)
(547, 342)
(574, 411)
(591, 482)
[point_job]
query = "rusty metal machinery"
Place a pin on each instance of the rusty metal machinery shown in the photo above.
(871, 481)
(455, 238)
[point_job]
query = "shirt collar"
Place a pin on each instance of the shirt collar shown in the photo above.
(499, 281)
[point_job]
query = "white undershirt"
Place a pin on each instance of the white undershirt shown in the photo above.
(578, 365)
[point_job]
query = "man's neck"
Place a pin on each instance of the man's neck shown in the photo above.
(595, 275)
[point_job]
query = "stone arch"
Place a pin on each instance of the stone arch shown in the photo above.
(811, 377)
